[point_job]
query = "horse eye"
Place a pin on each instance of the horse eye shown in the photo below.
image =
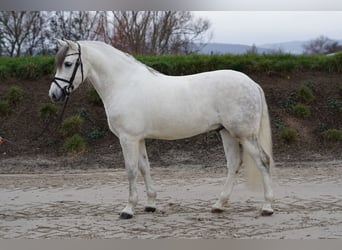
(67, 64)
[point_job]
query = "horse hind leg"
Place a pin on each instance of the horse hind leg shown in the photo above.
(263, 162)
(233, 155)
(144, 167)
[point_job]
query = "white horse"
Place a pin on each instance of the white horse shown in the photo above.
(142, 103)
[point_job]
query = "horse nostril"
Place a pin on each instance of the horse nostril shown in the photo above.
(54, 97)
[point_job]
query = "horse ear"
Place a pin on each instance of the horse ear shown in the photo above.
(72, 45)
(61, 43)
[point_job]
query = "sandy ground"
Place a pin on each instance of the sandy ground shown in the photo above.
(86, 204)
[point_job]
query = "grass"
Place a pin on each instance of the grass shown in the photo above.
(189, 64)
(332, 135)
(14, 95)
(37, 66)
(96, 133)
(48, 111)
(334, 104)
(288, 135)
(5, 108)
(305, 94)
(71, 125)
(75, 145)
(301, 111)
(27, 67)
(290, 100)
(94, 98)
(11, 99)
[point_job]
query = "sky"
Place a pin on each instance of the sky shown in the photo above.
(263, 27)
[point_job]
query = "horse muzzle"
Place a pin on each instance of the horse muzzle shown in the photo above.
(57, 95)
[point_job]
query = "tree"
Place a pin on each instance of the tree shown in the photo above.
(139, 32)
(157, 32)
(321, 45)
(333, 47)
(252, 50)
(20, 31)
(73, 25)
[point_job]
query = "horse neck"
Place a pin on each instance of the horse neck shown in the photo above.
(109, 70)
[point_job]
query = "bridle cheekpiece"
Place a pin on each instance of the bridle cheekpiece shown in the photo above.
(68, 89)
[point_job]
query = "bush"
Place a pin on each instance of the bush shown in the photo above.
(75, 145)
(14, 95)
(310, 85)
(94, 98)
(305, 94)
(5, 108)
(96, 133)
(334, 103)
(332, 135)
(48, 111)
(288, 135)
(71, 125)
(291, 99)
(301, 110)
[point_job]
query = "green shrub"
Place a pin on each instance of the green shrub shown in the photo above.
(96, 133)
(5, 108)
(94, 98)
(334, 104)
(310, 85)
(75, 145)
(301, 110)
(71, 125)
(288, 135)
(47, 111)
(14, 95)
(332, 135)
(290, 99)
(278, 123)
(305, 94)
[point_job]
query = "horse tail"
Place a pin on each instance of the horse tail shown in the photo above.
(252, 173)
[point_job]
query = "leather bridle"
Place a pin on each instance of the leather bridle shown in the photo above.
(68, 88)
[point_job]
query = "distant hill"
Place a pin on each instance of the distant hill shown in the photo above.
(224, 48)
(292, 47)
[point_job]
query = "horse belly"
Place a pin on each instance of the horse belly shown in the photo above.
(182, 123)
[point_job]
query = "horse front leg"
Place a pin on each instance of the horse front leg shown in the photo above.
(144, 167)
(130, 149)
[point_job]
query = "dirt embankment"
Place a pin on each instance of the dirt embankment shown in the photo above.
(28, 134)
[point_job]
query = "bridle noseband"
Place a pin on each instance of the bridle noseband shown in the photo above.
(68, 89)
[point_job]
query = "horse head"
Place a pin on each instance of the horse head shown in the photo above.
(69, 70)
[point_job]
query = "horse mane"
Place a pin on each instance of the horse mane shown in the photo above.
(152, 70)
(60, 56)
(128, 56)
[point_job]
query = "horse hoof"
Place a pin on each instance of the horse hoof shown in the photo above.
(126, 216)
(266, 212)
(150, 209)
(216, 210)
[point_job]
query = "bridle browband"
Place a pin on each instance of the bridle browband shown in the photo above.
(68, 89)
